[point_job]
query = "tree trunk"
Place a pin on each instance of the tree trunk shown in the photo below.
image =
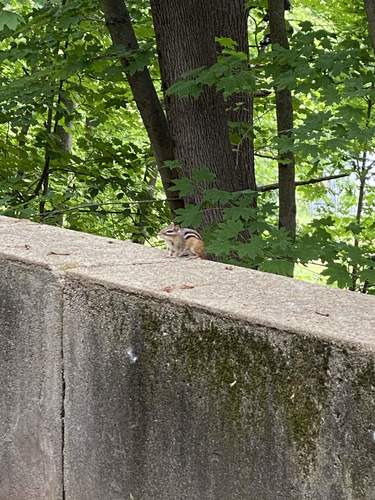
(185, 37)
(284, 112)
(144, 209)
(231, 21)
(25, 129)
(370, 11)
(362, 172)
(44, 180)
(122, 34)
(64, 133)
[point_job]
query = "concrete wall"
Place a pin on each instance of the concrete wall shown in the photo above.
(129, 375)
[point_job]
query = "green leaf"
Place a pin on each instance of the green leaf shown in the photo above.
(10, 19)
(225, 42)
(306, 26)
(228, 230)
(254, 248)
(337, 273)
(354, 227)
(216, 196)
(172, 164)
(368, 275)
(184, 186)
(277, 266)
(190, 216)
(240, 213)
(221, 248)
(203, 174)
(187, 86)
(355, 254)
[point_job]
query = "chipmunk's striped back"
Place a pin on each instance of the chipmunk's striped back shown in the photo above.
(190, 233)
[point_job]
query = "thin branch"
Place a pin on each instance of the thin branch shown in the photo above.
(271, 187)
(87, 205)
(261, 189)
(269, 157)
(262, 93)
(255, 31)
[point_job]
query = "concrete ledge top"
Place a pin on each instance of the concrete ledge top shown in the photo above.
(259, 298)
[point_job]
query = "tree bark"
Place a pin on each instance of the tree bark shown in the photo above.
(64, 133)
(44, 180)
(144, 209)
(122, 34)
(284, 113)
(370, 11)
(231, 21)
(185, 37)
(362, 172)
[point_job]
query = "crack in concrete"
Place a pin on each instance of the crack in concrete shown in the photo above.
(63, 388)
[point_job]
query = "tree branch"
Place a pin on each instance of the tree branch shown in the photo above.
(269, 157)
(122, 34)
(262, 93)
(268, 187)
(271, 187)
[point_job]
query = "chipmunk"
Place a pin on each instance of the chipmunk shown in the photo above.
(182, 241)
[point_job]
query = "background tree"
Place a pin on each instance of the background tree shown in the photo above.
(370, 11)
(85, 143)
(284, 114)
(124, 40)
(185, 37)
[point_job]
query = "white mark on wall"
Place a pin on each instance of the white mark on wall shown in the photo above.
(132, 355)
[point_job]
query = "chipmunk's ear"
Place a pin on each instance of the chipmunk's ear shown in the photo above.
(176, 226)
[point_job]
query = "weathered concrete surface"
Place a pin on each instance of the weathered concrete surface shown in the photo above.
(188, 380)
(170, 403)
(30, 375)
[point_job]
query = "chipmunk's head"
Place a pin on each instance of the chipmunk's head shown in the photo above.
(170, 232)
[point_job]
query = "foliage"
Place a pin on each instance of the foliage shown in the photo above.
(74, 153)
(60, 77)
(230, 74)
(269, 248)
